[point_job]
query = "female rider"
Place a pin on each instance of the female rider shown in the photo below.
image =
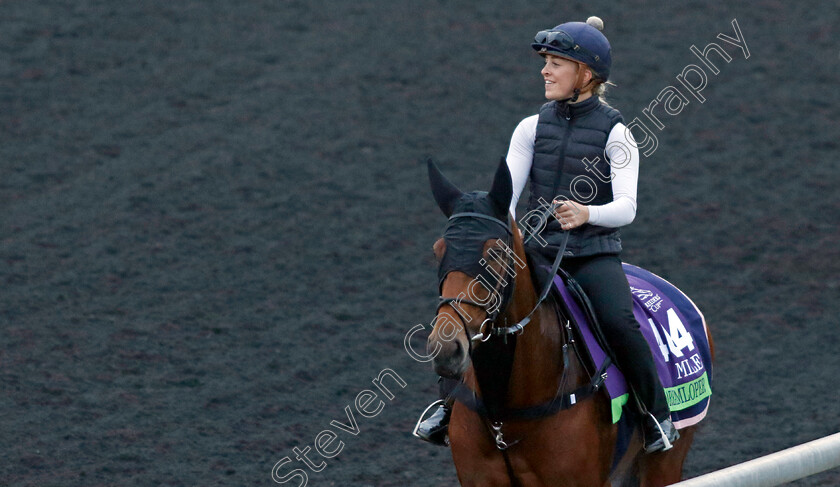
(579, 155)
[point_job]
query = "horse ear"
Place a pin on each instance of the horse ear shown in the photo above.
(446, 193)
(502, 190)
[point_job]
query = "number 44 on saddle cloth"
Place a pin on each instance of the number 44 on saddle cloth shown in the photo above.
(676, 332)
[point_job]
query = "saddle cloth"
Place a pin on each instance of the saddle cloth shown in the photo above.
(676, 332)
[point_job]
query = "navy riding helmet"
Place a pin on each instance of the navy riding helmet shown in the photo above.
(578, 41)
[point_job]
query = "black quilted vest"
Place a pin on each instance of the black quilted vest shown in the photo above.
(566, 134)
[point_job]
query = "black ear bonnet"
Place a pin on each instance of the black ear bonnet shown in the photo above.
(472, 224)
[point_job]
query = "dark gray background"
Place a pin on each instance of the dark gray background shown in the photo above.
(216, 227)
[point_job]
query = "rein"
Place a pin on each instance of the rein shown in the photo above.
(543, 295)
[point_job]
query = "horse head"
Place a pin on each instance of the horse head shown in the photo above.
(476, 272)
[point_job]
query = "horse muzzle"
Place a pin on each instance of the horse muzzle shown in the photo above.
(451, 357)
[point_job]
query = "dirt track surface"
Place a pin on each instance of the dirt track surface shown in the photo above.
(215, 226)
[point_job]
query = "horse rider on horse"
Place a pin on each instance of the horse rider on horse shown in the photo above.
(578, 154)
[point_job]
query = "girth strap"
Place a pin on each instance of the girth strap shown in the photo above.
(468, 398)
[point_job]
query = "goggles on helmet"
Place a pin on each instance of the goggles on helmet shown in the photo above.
(562, 41)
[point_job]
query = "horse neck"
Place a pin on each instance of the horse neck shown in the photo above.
(537, 364)
(525, 295)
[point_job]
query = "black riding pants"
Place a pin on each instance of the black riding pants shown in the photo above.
(605, 283)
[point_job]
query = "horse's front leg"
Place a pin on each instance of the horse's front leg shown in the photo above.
(478, 462)
(665, 468)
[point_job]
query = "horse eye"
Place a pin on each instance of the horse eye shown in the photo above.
(497, 247)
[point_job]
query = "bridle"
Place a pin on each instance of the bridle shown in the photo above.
(507, 292)
(504, 288)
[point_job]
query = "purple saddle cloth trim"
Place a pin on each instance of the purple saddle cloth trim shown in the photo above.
(676, 333)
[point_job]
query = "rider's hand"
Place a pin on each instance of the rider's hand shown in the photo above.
(570, 214)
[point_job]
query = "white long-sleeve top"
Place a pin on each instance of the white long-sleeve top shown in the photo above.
(624, 161)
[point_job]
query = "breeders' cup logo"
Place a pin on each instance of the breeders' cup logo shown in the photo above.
(648, 298)
(642, 294)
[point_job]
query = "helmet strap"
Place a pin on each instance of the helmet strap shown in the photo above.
(581, 73)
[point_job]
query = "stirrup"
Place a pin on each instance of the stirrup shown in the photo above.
(439, 402)
(663, 442)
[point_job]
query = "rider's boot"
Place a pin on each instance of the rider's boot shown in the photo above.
(435, 428)
(660, 435)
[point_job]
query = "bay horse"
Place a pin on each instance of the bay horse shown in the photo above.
(506, 346)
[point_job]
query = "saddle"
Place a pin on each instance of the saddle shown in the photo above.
(671, 324)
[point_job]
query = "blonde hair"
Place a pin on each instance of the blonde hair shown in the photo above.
(600, 88)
